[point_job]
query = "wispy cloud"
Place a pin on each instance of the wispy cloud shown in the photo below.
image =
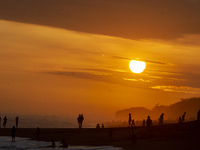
(136, 80)
(179, 89)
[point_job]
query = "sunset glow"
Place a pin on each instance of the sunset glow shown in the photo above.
(71, 57)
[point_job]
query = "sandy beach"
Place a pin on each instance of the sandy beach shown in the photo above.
(172, 136)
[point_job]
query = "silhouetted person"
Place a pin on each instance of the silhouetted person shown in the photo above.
(13, 132)
(97, 126)
(198, 115)
(64, 143)
(183, 117)
(4, 121)
(143, 122)
(102, 126)
(161, 119)
(129, 119)
(80, 120)
(16, 121)
(149, 121)
(133, 123)
(38, 133)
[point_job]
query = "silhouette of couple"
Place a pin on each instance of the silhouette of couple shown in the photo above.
(130, 121)
(80, 120)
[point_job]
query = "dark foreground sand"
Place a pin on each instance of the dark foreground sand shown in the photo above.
(185, 136)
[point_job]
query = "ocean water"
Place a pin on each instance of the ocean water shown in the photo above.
(27, 144)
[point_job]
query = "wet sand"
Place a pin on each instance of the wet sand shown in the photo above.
(183, 136)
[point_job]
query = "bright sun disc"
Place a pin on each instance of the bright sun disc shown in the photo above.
(137, 66)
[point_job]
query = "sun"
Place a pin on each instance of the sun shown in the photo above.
(137, 66)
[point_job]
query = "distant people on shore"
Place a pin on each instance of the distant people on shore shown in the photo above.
(98, 126)
(133, 123)
(4, 121)
(198, 115)
(149, 121)
(13, 133)
(129, 119)
(80, 120)
(38, 133)
(16, 121)
(161, 119)
(183, 117)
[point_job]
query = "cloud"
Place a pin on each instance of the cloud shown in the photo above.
(129, 19)
(106, 78)
(178, 89)
(142, 80)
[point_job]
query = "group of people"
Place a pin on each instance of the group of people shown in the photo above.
(5, 121)
(131, 121)
(98, 126)
(148, 122)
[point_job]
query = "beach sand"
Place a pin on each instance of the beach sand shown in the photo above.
(183, 136)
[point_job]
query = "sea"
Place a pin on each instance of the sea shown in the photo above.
(27, 144)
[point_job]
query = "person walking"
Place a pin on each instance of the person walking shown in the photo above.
(129, 120)
(4, 121)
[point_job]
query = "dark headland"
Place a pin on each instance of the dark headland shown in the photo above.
(184, 136)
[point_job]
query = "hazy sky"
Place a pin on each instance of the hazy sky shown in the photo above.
(65, 57)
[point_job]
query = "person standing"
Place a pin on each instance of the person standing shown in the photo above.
(4, 121)
(38, 133)
(149, 121)
(79, 121)
(13, 133)
(161, 119)
(82, 118)
(129, 120)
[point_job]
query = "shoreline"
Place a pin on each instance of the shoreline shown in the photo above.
(169, 136)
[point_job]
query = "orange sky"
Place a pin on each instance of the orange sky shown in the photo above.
(58, 71)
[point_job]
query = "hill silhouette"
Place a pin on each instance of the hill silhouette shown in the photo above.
(172, 112)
